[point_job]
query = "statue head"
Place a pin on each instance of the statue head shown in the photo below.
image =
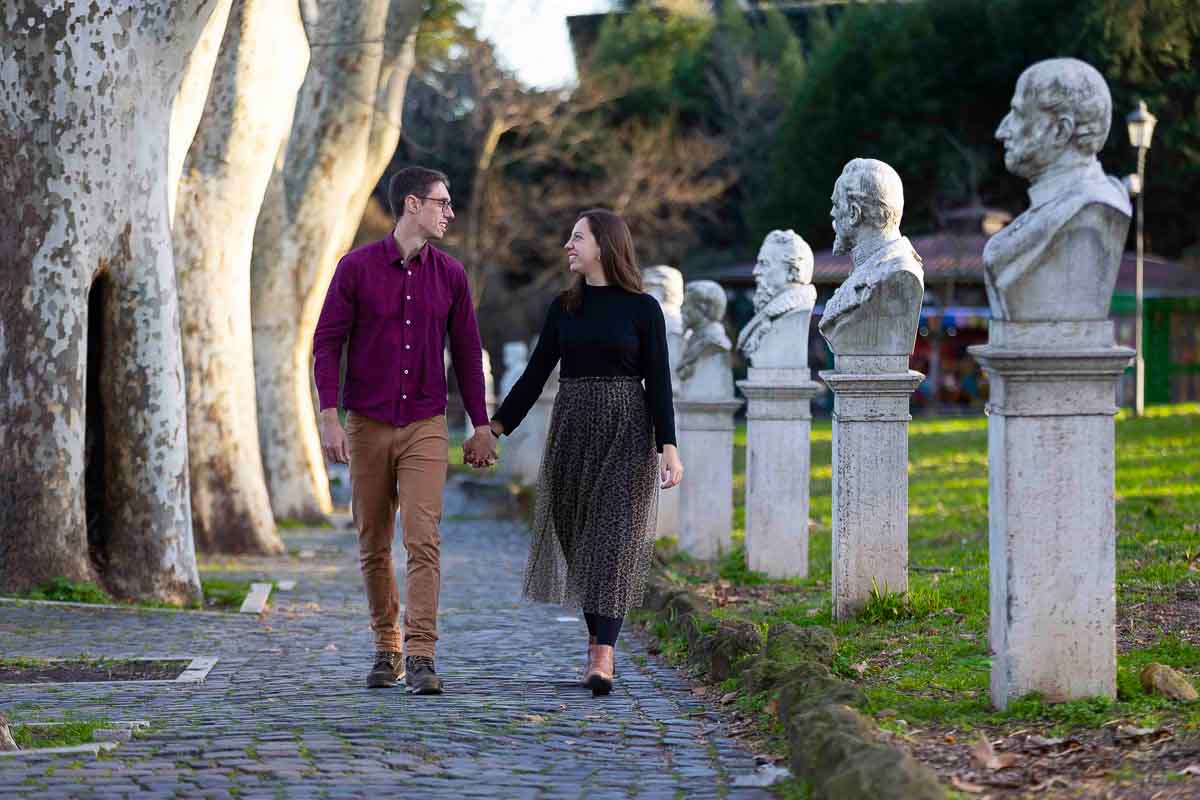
(664, 284)
(783, 260)
(1061, 112)
(704, 303)
(868, 197)
(515, 353)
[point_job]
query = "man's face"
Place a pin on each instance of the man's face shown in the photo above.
(770, 275)
(843, 221)
(433, 211)
(1033, 139)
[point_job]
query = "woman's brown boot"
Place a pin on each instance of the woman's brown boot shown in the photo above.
(588, 665)
(600, 670)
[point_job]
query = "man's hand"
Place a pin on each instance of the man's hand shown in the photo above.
(480, 450)
(333, 438)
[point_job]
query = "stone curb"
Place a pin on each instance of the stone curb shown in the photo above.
(195, 672)
(832, 747)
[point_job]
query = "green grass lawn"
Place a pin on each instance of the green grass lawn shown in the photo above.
(925, 657)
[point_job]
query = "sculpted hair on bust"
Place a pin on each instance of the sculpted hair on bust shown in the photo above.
(708, 298)
(1074, 88)
(795, 252)
(667, 277)
(876, 188)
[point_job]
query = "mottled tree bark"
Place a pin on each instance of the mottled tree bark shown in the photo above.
(86, 95)
(346, 127)
(249, 109)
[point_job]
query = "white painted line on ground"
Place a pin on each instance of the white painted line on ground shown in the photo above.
(256, 601)
(93, 749)
(112, 607)
(285, 586)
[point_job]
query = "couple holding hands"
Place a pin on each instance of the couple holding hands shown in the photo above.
(609, 448)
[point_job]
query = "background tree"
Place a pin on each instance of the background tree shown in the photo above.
(262, 62)
(90, 362)
(345, 129)
(924, 85)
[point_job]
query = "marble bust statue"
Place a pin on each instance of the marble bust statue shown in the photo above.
(1059, 259)
(665, 284)
(876, 309)
(777, 334)
(704, 370)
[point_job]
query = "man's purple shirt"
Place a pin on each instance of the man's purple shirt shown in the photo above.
(397, 315)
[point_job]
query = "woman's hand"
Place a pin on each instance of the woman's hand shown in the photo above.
(671, 470)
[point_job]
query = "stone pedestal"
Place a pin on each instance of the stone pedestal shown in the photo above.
(1051, 510)
(705, 432)
(870, 476)
(521, 454)
(779, 417)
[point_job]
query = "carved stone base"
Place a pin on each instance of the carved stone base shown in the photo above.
(870, 477)
(1051, 508)
(779, 415)
(705, 430)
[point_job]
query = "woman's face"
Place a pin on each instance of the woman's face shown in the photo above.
(583, 252)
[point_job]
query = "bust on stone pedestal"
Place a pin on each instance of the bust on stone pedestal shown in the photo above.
(777, 334)
(665, 284)
(704, 423)
(704, 370)
(876, 309)
(1059, 259)
(870, 324)
(779, 391)
(1054, 367)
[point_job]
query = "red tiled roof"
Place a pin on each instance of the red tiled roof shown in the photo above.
(950, 256)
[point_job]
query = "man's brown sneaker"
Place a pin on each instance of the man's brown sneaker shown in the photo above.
(420, 676)
(387, 672)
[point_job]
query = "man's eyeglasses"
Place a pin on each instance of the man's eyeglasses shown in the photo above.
(444, 202)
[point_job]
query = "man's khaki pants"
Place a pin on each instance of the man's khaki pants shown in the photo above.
(405, 469)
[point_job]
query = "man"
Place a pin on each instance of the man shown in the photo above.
(783, 288)
(876, 309)
(1058, 260)
(397, 300)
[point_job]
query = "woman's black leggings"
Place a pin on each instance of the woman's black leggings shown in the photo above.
(605, 629)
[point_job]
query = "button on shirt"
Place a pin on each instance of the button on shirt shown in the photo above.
(397, 315)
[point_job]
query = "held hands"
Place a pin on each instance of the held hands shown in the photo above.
(480, 450)
(671, 469)
(333, 438)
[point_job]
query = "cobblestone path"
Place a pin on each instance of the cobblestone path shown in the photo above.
(284, 713)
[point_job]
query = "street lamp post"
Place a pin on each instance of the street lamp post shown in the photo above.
(1141, 129)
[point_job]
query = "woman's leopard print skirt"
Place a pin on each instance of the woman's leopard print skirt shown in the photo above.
(597, 499)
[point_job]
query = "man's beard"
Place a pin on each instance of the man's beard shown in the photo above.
(841, 246)
(762, 296)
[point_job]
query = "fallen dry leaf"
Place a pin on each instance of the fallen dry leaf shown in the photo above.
(989, 758)
(1128, 733)
(1190, 769)
(772, 708)
(728, 698)
(860, 668)
(966, 786)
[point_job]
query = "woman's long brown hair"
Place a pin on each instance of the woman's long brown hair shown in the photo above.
(617, 256)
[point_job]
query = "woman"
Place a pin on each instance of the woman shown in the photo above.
(597, 496)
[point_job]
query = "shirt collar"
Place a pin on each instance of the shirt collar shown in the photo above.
(391, 251)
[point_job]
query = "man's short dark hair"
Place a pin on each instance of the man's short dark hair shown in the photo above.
(417, 181)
